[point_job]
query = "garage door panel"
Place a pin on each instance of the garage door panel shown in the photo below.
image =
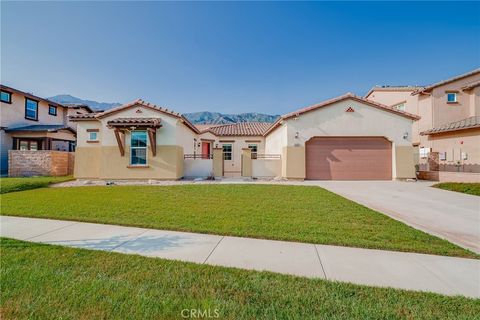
(349, 158)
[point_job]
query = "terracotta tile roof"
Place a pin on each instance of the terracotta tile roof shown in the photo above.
(78, 106)
(470, 86)
(135, 121)
(338, 99)
(84, 116)
(392, 88)
(468, 123)
(430, 87)
(240, 129)
(138, 102)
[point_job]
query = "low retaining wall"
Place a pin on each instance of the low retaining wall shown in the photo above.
(197, 168)
(40, 163)
(446, 176)
(266, 168)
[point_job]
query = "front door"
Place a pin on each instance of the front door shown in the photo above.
(206, 149)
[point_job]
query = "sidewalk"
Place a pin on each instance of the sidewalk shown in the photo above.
(445, 275)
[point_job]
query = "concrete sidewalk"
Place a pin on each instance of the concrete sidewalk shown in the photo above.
(445, 275)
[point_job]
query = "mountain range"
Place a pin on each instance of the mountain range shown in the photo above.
(204, 117)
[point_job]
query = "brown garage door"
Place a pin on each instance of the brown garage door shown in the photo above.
(348, 158)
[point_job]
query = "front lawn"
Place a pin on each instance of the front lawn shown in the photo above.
(20, 184)
(50, 282)
(469, 188)
(295, 213)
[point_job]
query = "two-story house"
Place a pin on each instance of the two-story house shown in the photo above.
(29, 122)
(449, 121)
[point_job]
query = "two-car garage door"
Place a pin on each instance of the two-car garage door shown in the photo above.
(348, 158)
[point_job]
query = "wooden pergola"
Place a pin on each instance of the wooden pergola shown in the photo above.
(123, 125)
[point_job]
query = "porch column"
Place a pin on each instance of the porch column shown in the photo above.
(217, 162)
(246, 162)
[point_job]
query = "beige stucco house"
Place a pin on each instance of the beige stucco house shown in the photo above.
(29, 122)
(343, 138)
(449, 124)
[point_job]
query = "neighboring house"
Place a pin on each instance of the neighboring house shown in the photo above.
(76, 109)
(449, 123)
(343, 138)
(29, 122)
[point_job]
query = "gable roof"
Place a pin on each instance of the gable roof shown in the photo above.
(31, 96)
(430, 87)
(347, 96)
(392, 88)
(138, 102)
(468, 123)
(239, 129)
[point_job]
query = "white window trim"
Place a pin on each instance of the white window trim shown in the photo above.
(146, 150)
(231, 152)
(455, 95)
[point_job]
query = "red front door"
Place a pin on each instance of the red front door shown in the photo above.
(206, 148)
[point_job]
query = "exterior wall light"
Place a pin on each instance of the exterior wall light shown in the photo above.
(405, 135)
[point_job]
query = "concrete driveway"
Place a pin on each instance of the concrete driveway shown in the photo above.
(450, 215)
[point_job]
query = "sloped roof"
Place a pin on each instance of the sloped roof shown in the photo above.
(135, 121)
(430, 87)
(41, 128)
(138, 102)
(392, 88)
(468, 123)
(240, 129)
(78, 106)
(31, 96)
(346, 96)
(471, 85)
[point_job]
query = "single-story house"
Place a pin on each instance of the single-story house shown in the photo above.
(346, 138)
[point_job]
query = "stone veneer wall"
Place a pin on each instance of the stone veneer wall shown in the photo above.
(40, 163)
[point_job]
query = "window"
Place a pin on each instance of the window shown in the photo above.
(227, 151)
(5, 96)
(52, 110)
(93, 136)
(400, 106)
(424, 152)
(25, 145)
(451, 97)
(138, 148)
(253, 148)
(31, 109)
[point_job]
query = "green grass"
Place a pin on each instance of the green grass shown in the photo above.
(51, 282)
(294, 213)
(19, 184)
(469, 188)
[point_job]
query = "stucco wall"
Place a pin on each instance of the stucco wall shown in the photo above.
(194, 168)
(276, 140)
(334, 121)
(446, 112)
(13, 115)
(266, 168)
(454, 144)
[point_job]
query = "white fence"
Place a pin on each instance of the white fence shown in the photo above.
(197, 168)
(266, 168)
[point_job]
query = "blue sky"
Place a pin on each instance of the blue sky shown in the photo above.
(231, 56)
